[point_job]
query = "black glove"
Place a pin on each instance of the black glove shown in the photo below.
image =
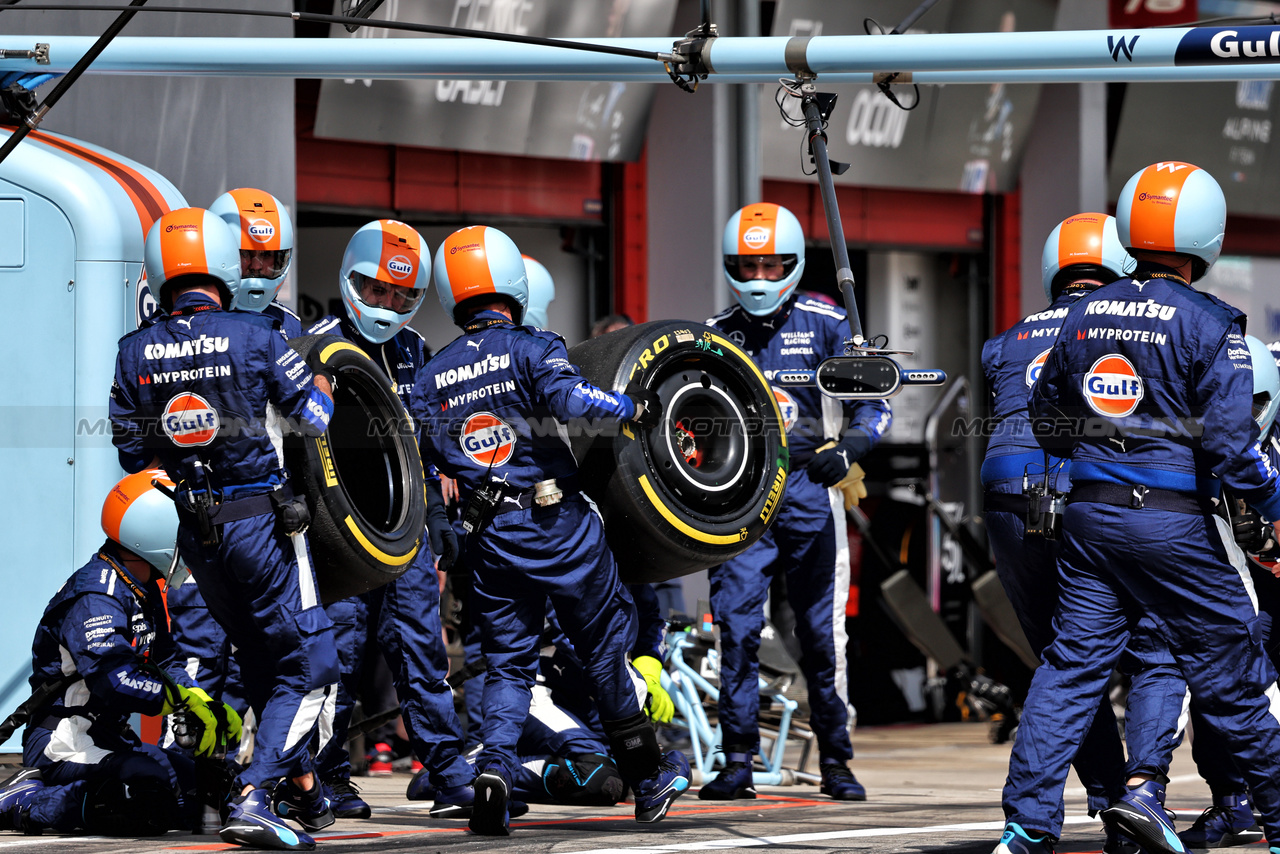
(320, 369)
(647, 403)
(444, 542)
(1252, 534)
(827, 468)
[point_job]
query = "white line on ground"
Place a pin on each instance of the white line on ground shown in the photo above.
(794, 838)
(1079, 792)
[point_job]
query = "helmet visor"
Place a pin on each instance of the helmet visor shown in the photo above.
(1261, 400)
(376, 293)
(264, 263)
(768, 268)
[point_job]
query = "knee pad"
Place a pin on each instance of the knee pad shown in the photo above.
(635, 747)
(586, 780)
(135, 806)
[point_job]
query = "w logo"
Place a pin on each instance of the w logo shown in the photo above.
(1118, 46)
(1172, 167)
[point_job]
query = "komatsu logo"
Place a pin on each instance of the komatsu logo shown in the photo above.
(1124, 308)
(190, 347)
(1112, 387)
(466, 373)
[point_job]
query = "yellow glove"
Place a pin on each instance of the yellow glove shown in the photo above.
(658, 707)
(228, 719)
(851, 484)
(195, 727)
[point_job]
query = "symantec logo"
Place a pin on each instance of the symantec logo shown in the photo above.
(466, 247)
(182, 227)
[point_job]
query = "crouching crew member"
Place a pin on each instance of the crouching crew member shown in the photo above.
(207, 393)
(482, 403)
(102, 653)
(763, 260)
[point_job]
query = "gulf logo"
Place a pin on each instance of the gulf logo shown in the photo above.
(261, 231)
(1033, 369)
(400, 267)
(755, 237)
(189, 420)
(487, 440)
(788, 407)
(1112, 387)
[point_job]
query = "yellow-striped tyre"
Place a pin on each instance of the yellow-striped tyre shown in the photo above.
(704, 484)
(362, 478)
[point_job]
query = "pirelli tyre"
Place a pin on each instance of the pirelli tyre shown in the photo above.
(362, 478)
(704, 484)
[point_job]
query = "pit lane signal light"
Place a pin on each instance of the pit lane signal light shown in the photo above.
(870, 377)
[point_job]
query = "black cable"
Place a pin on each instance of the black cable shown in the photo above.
(33, 121)
(913, 17)
(315, 17)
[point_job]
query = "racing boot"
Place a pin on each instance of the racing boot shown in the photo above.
(15, 798)
(1018, 841)
(733, 782)
(839, 783)
(344, 799)
(252, 824)
(309, 809)
(654, 795)
(492, 794)
(1228, 822)
(1118, 843)
(420, 788)
(1140, 815)
(453, 802)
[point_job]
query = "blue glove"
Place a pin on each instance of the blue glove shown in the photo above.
(829, 467)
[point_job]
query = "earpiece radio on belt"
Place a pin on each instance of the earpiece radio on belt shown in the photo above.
(1045, 502)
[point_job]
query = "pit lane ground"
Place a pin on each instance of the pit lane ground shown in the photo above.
(931, 788)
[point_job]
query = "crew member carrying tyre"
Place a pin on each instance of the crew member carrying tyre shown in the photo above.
(206, 393)
(384, 276)
(102, 653)
(763, 259)
(1148, 390)
(488, 405)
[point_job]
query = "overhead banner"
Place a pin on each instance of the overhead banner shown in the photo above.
(966, 138)
(579, 121)
(1231, 140)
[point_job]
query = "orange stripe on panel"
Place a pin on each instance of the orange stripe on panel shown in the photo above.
(1080, 240)
(182, 244)
(1155, 205)
(756, 228)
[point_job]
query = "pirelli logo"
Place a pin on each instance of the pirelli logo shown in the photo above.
(326, 461)
(775, 493)
(650, 353)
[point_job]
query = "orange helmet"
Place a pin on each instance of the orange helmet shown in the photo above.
(480, 262)
(190, 242)
(1083, 246)
(142, 519)
(1173, 207)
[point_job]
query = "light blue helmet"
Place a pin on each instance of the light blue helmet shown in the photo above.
(1266, 385)
(480, 263)
(384, 276)
(1173, 207)
(191, 242)
(266, 243)
(542, 290)
(1083, 246)
(137, 516)
(762, 229)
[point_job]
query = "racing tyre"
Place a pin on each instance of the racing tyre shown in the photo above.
(362, 478)
(704, 484)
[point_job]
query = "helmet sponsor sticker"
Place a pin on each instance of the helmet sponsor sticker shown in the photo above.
(1033, 369)
(487, 440)
(189, 420)
(261, 231)
(400, 267)
(1112, 386)
(755, 237)
(788, 407)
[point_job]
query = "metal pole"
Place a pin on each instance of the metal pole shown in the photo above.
(818, 147)
(749, 115)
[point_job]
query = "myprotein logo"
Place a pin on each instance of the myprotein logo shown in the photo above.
(1112, 387)
(755, 237)
(189, 420)
(1228, 46)
(261, 231)
(400, 267)
(487, 440)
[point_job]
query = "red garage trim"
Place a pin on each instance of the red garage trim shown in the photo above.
(1007, 261)
(631, 240)
(912, 219)
(1252, 235)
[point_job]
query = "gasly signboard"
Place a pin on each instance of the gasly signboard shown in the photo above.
(581, 121)
(965, 138)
